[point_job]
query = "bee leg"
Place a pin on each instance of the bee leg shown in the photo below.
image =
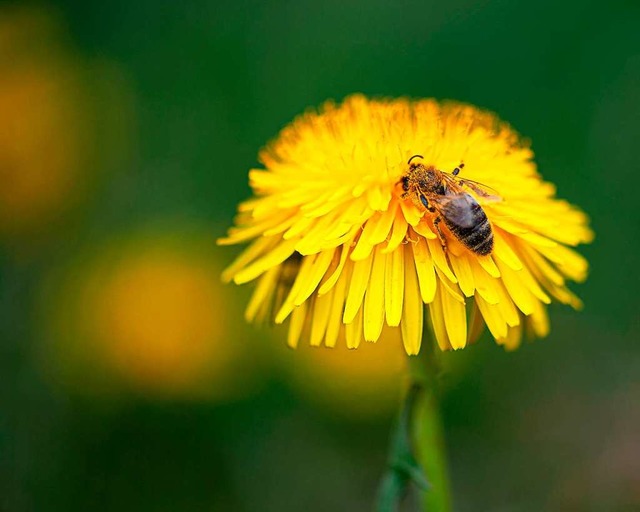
(458, 169)
(436, 224)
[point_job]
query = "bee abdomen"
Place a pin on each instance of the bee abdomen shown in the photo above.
(478, 237)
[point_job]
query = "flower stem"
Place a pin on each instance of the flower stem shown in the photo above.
(417, 445)
(427, 429)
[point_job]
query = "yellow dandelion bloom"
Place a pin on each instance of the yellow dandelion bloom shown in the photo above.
(348, 235)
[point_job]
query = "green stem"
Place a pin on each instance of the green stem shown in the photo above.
(429, 446)
(417, 445)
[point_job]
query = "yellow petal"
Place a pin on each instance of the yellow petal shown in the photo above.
(521, 295)
(398, 233)
(374, 298)
(312, 240)
(438, 323)
(462, 270)
(492, 317)
(487, 263)
(512, 340)
(439, 258)
(394, 286)
(447, 287)
(353, 331)
(320, 319)
(337, 306)
(304, 274)
(539, 321)
(423, 229)
(486, 285)
(357, 287)
(242, 234)
(320, 264)
(540, 266)
(297, 324)
(506, 307)
(274, 257)
(455, 319)
(262, 293)
(410, 212)
(425, 270)
(503, 252)
(411, 324)
(333, 278)
(383, 225)
(569, 262)
(301, 225)
(476, 324)
(257, 248)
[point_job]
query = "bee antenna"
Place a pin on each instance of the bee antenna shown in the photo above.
(414, 156)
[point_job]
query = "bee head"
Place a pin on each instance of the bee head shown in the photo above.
(428, 177)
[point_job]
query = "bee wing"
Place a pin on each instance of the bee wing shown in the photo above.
(460, 209)
(483, 191)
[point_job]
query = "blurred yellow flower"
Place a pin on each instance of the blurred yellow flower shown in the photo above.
(51, 100)
(146, 315)
(42, 143)
(348, 236)
(357, 384)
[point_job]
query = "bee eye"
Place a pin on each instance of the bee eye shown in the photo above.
(405, 183)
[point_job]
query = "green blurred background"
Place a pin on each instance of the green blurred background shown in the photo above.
(130, 381)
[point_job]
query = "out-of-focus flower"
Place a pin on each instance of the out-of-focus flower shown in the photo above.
(348, 236)
(48, 133)
(357, 384)
(148, 315)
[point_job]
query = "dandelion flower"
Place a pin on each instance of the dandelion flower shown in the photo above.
(340, 249)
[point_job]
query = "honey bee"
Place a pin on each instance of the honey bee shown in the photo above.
(440, 193)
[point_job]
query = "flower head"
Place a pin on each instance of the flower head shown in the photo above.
(347, 236)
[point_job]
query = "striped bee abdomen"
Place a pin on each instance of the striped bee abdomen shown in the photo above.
(467, 221)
